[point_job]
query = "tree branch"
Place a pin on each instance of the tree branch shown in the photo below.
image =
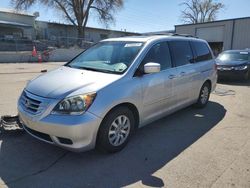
(65, 12)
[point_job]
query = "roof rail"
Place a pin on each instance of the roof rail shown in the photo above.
(152, 34)
(184, 35)
(172, 34)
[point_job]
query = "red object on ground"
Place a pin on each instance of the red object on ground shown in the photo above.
(40, 58)
(34, 52)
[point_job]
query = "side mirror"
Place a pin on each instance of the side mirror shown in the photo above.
(152, 68)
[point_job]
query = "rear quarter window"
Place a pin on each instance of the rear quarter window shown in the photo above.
(202, 51)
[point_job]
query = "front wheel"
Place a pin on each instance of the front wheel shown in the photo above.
(115, 130)
(204, 96)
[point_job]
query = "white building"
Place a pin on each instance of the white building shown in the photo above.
(16, 24)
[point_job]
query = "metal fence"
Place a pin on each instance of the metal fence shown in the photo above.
(13, 44)
(55, 49)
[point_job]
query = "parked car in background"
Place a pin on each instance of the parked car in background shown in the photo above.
(234, 64)
(118, 85)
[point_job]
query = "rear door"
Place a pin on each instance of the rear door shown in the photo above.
(182, 56)
(203, 65)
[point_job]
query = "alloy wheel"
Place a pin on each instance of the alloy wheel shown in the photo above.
(119, 130)
(204, 95)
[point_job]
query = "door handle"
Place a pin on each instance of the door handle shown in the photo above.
(171, 76)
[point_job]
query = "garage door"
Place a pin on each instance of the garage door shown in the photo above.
(211, 34)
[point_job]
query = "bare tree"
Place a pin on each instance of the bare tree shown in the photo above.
(199, 11)
(77, 12)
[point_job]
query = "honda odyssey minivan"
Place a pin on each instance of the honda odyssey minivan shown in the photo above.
(103, 95)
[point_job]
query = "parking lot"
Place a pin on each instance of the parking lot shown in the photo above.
(207, 147)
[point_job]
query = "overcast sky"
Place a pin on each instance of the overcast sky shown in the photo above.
(145, 15)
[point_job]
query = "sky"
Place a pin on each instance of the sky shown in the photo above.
(144, 15)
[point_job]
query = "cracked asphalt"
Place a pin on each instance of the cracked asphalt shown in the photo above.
(191, 148)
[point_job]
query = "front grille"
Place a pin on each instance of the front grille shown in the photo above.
(30, 104)
(33, 103)
(40, 135)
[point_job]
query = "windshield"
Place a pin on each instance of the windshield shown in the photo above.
(110, 57)
(234, 56)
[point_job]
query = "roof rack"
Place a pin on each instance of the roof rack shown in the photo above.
(173, 34)
(184, 35)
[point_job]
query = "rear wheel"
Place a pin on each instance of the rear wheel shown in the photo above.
(204, 95)
(115, 130)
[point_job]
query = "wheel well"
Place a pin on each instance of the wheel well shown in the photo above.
(131, 107)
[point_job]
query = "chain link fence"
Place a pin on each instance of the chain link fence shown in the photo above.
(55, 49)
(12, 44)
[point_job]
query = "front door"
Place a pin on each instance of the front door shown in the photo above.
(157, 87)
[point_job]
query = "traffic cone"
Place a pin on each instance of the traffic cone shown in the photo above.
(40, 58)
(34, 52)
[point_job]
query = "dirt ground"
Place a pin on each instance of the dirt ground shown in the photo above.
(207, 147)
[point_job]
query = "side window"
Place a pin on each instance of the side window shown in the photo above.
(202, 51)
(159, 53)
(181, 52)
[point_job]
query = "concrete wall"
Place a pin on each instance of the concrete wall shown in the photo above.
(237, 38)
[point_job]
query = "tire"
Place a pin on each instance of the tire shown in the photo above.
(113, 134)
(203, 96)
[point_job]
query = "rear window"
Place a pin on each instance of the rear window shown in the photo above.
(202, 51)
(181, 52)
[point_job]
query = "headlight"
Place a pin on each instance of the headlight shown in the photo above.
(75, 105)
(244, 67)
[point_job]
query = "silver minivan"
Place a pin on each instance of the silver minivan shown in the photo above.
(103, 95)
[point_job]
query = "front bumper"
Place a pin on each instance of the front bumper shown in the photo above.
(232, 74)
(75, 133)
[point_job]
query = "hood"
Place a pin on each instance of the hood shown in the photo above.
(63, 81)
(230, 63)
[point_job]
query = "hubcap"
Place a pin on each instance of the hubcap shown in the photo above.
(204, 95)
(119, 130)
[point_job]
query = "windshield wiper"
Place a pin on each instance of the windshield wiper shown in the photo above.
(67, 65)
(97, 70)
